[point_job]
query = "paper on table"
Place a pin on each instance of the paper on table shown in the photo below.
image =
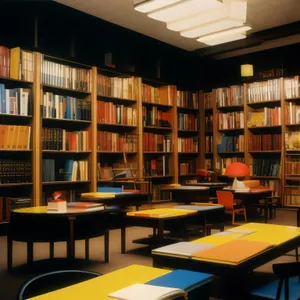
(140, 291)
(183, 248)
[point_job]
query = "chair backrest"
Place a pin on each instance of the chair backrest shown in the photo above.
(284, 271)
(226, 199)
(52, 281)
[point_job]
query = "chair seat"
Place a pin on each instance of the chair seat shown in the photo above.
(269, 290)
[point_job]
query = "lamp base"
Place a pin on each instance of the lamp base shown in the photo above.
(235, 184)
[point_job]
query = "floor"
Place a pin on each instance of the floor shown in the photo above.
(137, 254)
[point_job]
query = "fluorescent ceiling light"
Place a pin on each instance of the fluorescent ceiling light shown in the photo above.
(146, 6)
(230, 9)
(223, 39)
(183, 9)
(211, 27)
(225, 36)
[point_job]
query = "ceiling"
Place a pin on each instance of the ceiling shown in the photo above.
(262, 14)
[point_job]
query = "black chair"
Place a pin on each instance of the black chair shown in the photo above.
(52, 281)
(287, 287)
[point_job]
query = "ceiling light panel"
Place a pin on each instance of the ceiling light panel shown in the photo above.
(145, 6)
(183, 9)
(222, 39)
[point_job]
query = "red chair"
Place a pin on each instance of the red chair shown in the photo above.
(226, 199)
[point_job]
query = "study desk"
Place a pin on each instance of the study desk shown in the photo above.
(171, 218)
(36, 224)
(100, 287)
(187, 194)
(213, 186)
(252, 197)
(283, 239)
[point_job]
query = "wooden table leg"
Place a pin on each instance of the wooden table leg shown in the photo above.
(87, 249)
(298, 217)
(160, 233)
(29, 252)
(71, 242)
(123, 239)
(9, 253)
(106, 246)
(266, 210)
(51, 250)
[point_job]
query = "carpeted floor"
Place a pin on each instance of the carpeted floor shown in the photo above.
(136, 254)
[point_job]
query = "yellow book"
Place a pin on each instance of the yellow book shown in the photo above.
(15, 54)
(2, 136)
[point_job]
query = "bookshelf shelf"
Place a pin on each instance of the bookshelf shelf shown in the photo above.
(14, 116)
(15, 184)
(188, 110)
(209, 153)
(116, 125)
(15, 81)
(265, 128)
(159, 176)
(265, 151)
(117, 100)
(208, 110)
(266, 177)
(158, 105)
(156, 128)
(264, 104)
(188, 131)
(65, 91)
(65, 182)
(157, 152)
(66, 120)
(116, 152)
(65, 152)
(16, 150)
(231, 108)
(186, 153)
(292, 99)
(292, 125)
(231, 153)
(239, 130)
(209, 133)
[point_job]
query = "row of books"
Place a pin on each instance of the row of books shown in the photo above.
(267, 117)
(230, 96)
(15, 101)
(157, 142)
(292, 140)
(4, 61)
(209, 143)
(188, 167)
(125, 88)
(187, 99)
(161, 95)
(291, 87)
(61, 107)
(64, 170)
(21, 64)
(223, 163)
(269, 90)
(231, 120)
(264, 142)
(7, 204)
(292, 113)
(15, 137)
(156, 193)
(208, 100)
(231, 144)
(114, 142)
(292, 166)
(63, 140)
(109, 171)
(64, 76)
(14, 171)
(153, 116)
(188, 122)
(273, 185)
(292, 196)
(208, 164)
(265, 167)
(157, 167)
(110, 113)
(190, 144)
(209, 121)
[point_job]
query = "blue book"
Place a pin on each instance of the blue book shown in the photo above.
(199, 207)
(182, 279)
(3, 98)
(109, 189)
(68, 170)
(68, 112)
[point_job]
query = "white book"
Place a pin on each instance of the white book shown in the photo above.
(140, 291)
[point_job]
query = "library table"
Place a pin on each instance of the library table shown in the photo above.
(100, 287)
(187, 194)
(282, 238)
(36, 224)
(252, 197)
(213, 186)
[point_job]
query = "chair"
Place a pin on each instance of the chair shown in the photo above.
(52, 281)
(226, 199)
(287, 287)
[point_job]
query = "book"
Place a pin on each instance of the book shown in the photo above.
(85, 205)
(140, 291)
(182, 279)
(182, 248)
(235, 251)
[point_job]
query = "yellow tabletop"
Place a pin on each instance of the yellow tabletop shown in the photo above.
(100, 287)
(161, 213)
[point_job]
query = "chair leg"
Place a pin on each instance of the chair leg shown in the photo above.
(233, 216)
(87, 249)
(51, 250)
(29, 252)
(245, 215)
(297, 254)
(9, 253)
(106, 246)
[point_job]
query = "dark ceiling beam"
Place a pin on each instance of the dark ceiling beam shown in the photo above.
(253, 40)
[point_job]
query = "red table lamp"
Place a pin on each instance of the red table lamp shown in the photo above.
(237, 169)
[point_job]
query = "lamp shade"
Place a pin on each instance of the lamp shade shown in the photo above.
(246, 70)
(237, 169)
